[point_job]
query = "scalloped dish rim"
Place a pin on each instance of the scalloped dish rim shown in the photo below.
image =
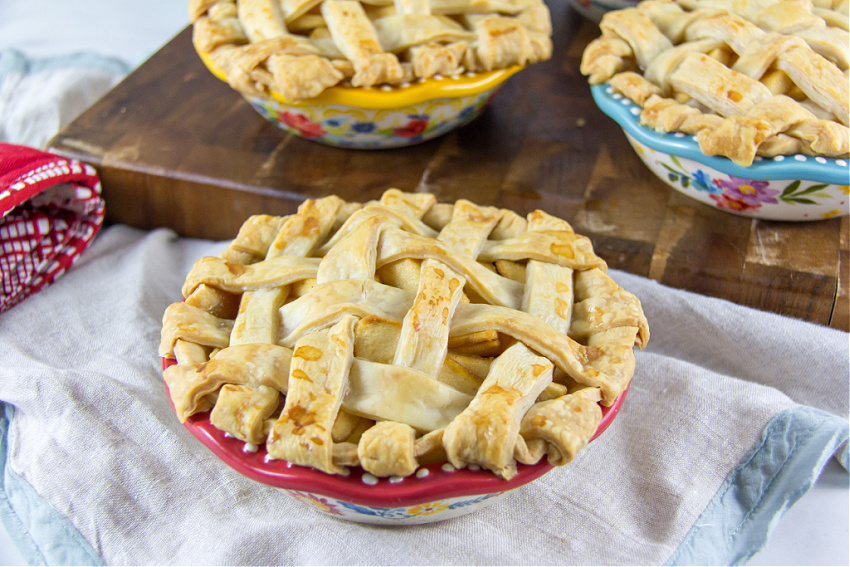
(438, 483)
(421, 90)
(818, 169)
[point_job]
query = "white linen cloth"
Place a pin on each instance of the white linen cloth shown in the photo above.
(58, 58)
(92, 433)
(40, 97)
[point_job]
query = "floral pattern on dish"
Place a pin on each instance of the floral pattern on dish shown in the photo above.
(426, 512)
(362, 128)
(750, 197)
(320, 503)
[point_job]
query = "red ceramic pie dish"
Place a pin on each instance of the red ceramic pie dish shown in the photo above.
(434, 492)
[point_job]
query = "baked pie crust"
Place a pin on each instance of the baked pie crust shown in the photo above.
(298, 48)
(403, 332)
(748, 79)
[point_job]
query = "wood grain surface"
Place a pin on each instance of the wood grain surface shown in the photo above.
(175, 147)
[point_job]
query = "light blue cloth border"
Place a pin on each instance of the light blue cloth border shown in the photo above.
(13, 61)
(778, 471)
(43, 536)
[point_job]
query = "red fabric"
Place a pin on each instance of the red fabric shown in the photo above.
(50, 211)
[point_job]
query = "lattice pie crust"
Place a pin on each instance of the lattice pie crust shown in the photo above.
(766, 78)
(298, 48)
(403, 332)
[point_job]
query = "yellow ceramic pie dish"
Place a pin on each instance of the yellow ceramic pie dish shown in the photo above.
(384, 116)
(370, 74)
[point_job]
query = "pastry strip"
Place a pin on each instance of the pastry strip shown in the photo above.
(355, 36)
(423, 342)
(261, 19)
(563, 438)
(318, 378)
(485, 433)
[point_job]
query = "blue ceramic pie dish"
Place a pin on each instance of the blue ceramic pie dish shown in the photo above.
(784, 188)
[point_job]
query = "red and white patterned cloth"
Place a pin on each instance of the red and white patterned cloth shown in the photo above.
(50, 211)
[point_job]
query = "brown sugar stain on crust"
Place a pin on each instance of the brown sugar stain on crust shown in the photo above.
(307, 353)
(480, 217)
(338, 341)
(311, 227)
(562, 250)
(591, 353)
(235, 269)
(299, 374)
(301, 418)
(510, 395)
(538, 369)
(563, 309)
(539, 421)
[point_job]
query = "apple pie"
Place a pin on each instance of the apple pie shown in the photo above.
(299, 48)
(747, 79)
(403, 332)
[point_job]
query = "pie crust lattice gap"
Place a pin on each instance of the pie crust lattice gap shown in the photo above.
(403, 332)
(763, 78)
(299, 48)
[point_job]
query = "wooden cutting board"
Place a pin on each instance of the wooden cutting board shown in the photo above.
(175, 147)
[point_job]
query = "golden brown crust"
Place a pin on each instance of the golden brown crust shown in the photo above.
(300, 48)
(730, 72)
(382, 334)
